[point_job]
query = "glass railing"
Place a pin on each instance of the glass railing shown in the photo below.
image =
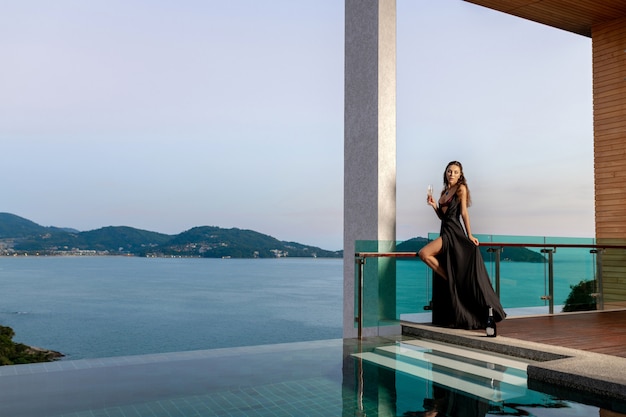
(532, 275)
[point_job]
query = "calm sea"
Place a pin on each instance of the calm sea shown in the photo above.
(89, 307)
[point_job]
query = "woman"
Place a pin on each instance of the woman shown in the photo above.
(463, 294)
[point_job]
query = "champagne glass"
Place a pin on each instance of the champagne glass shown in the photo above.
(429, 192)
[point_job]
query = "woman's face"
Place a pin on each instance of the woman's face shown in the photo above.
(453, 173)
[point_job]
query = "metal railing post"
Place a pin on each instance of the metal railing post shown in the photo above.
(497, 278)
(599, 294)
(359, 318)
(600, 281)
(550, 296)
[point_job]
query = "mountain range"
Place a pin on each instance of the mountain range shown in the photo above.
(22, 236)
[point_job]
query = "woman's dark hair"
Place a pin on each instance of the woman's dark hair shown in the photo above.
(462, 180)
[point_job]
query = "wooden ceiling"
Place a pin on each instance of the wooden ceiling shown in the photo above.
(577, 16)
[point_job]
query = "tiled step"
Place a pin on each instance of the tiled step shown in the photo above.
(506, 361)
(466, 368)
(454, 368)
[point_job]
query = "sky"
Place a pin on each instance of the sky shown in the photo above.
(165, 115)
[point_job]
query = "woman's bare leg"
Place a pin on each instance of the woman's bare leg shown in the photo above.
(428, 254)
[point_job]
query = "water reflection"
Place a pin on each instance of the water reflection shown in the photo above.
(411, 381)
(448, 403)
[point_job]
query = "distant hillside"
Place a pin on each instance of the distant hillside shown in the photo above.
(518, 255)
(22, 236)
(12, 226)
(215, 242)
(19, 235)
(107, 239)
(412, 245)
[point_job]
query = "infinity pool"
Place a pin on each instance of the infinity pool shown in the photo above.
(377, 377)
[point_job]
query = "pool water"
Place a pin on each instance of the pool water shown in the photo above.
(375, 377)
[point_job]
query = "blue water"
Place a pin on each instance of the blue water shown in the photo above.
(94, 307)
(376, 378)
(89, 307)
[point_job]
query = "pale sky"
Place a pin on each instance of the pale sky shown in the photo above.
(164, 115)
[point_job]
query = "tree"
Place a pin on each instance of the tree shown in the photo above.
(12, 353)
(579, 298)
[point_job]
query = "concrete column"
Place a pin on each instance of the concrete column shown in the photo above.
(369, 144)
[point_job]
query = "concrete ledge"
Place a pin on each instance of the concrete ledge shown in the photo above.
(575, 377)
(600, 379)
(471, 339)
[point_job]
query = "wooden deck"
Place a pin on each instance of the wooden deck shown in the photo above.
(599, 331)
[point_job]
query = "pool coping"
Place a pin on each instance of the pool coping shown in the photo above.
(555, 370)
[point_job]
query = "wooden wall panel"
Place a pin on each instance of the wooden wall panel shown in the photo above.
(609, 99)
(613, 275)
(609, 96)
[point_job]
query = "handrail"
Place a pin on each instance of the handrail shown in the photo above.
(549, 248)
(502, 244)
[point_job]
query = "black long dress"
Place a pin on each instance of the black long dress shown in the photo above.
(463, 300)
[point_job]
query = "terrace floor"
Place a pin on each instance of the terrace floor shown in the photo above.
(600, 332)
(581, 352)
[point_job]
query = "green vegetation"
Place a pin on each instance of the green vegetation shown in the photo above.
(516, 254)
(214, 242)
(579, 298)
(12, 353)
(19, 236)
(412, 245)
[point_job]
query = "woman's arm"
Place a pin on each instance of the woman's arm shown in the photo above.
(431, 202)
(462, 192)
